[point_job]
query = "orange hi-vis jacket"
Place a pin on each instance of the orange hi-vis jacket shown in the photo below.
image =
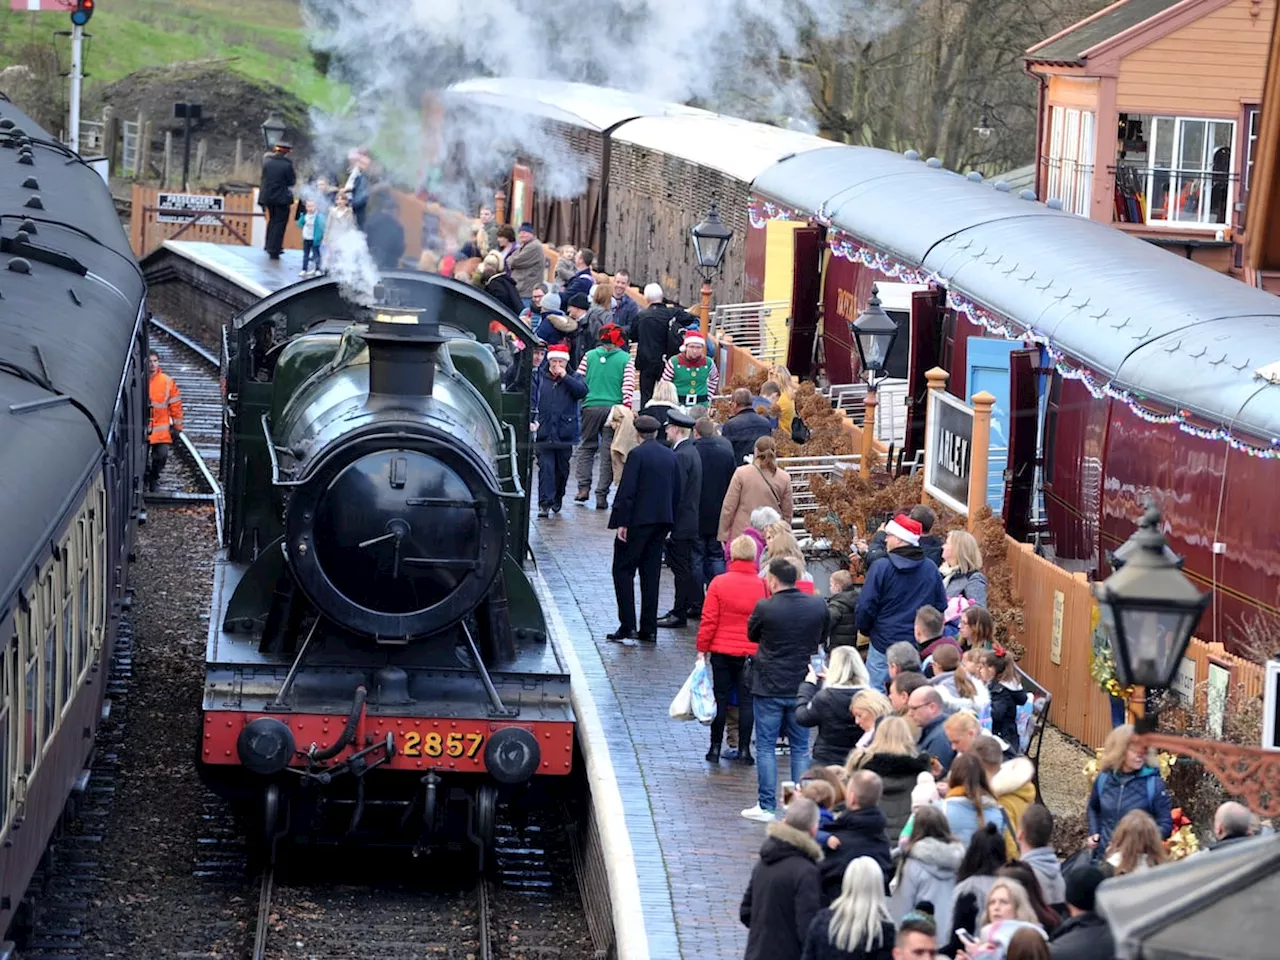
(166, 408)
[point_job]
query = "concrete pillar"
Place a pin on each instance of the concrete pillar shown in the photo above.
(982, 403)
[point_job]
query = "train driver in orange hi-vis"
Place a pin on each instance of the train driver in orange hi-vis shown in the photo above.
(165, 425)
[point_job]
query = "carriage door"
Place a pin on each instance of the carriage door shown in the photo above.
(806, 291)
(988, 362)
(928, 309)
(1024, 433)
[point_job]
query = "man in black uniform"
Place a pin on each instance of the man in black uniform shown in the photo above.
(644, 510)
(275, 196)
(684, 532)
(717, 472)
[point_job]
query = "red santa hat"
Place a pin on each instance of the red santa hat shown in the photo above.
(905, 529)
(560, 350)
(693, 337)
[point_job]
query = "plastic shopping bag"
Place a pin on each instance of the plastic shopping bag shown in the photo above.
(702, 693)
(682, 706)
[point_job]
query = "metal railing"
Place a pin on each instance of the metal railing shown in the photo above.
(891, 411)
(748, 324)
(803, 469)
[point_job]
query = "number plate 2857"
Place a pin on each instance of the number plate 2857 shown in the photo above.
(453, 745)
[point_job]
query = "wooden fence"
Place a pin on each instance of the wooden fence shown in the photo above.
(1058, 635)
(234, 224)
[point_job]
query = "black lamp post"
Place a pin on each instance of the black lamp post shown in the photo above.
(272, 131)
(873, 334)
(710, 243)
(1150, 607)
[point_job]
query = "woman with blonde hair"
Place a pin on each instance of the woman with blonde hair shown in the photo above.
(722, 634)
(1128, 779)
(761, 483)
(1008, 910)
(1136, 844)
(828, 708)
(857, 925)
(786, 399)
(867, 708)
(894, 755)
(962, 571)
(663, 401)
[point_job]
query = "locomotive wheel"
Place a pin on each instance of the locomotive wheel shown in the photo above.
(486, 824)
(272, 825)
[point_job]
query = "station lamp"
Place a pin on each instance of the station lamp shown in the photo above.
(272, 131)
(1149, 607)
(710, 242)
(874, 333)
(81, 13)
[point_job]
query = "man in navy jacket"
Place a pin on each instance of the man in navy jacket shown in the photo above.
(896, 587)
(558, 394)
(644, 510)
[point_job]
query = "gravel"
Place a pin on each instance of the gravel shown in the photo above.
(1062, 780)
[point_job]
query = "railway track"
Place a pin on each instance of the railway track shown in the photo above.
(399, 907)
(191, 475)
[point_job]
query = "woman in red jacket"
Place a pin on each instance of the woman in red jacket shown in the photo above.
(723, 633)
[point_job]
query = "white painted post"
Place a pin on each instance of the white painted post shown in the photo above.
(77, 75)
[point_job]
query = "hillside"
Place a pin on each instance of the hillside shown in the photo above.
(263, 40)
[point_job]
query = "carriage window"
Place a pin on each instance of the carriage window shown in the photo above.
(30, 666)
(7, 658)
(49, 655)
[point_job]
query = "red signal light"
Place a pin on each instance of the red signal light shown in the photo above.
(82, 12)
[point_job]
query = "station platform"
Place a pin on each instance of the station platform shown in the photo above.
(677, 854)
(693, 851)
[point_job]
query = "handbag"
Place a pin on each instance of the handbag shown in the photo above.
(744, 678)
(800, 432)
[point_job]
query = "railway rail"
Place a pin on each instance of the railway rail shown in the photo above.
(193, 475)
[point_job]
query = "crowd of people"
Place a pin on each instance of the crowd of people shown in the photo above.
(327, 210)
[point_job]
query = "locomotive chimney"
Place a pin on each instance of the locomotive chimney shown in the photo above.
(402, 352)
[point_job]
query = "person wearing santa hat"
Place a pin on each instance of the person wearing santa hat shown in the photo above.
(691, 371)
(896, 587)
(556, 423)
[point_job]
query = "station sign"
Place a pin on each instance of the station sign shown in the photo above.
(948, 450)
(182, 207)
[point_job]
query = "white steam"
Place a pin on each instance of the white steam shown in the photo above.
(349, 263)
(720, 54)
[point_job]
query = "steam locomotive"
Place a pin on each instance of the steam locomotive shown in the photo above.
(378, 665)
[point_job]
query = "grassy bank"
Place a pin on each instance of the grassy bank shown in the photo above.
(265, 38)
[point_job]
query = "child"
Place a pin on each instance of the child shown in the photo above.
(1008, 700)
(953, 680)
(824, 795)
(842, 601)
(341, 220)
(928, 632)
(311, 220)
(972, 663)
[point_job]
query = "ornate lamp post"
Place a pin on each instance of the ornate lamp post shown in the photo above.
(1150, 609)
(873, 334)
(272, 131)
(710, 243)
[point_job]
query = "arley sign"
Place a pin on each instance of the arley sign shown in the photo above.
(948, 450)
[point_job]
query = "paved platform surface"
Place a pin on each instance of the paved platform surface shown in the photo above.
(249, 267)
(691, 845)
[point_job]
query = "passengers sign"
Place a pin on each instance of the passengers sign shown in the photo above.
(182, 207)
(947, 450)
